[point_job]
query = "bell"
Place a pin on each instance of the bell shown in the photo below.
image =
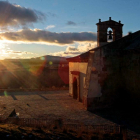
(110, 34)
(110, 37)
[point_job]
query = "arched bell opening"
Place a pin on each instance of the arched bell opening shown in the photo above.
(75, 89)
(109, 35)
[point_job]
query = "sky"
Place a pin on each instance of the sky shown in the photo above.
(33, 28)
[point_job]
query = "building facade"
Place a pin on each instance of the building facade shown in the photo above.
(107, 75)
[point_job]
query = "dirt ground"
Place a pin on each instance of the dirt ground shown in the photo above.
(42, 104)
(48, 104)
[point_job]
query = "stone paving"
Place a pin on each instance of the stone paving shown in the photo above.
(41, 104)
(49, 104)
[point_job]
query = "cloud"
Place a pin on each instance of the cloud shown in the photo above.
(18, 52)
(54, 38)
(15, 15)
(71, 48)
(7, 53)
(50, 26)
(74, 51)
(84, 47)
(71, 23)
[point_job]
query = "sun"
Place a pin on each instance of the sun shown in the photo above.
(2, 45)
(4, 51)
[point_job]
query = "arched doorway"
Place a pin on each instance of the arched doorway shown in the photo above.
(75, 89)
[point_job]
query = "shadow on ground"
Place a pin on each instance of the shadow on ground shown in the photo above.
(131, 119)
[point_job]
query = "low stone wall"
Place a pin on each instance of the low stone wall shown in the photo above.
(72, 125)
(34, 89)
(62, 124)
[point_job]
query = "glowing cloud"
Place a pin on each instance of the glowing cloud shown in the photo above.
(37, 35)
(50, 26)
(73, 51)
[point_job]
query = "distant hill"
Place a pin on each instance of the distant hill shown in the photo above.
(54, 59)
(18, 64)
(38, 60)
(44, 71)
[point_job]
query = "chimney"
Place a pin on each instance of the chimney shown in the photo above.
(109, 18)
(129, 33)
(99, 20)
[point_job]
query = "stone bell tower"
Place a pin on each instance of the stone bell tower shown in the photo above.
(103, 35)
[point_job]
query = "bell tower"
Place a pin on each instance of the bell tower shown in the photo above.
(103, 35)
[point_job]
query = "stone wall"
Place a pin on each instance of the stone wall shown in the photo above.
(105, 81)
(115, 76)
(81, 67)
(131, 77)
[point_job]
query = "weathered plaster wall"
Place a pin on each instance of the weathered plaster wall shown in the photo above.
(105, 80)
(94, 87)
(131, 76)
(107, 84)
(81, 67)
(115, 76)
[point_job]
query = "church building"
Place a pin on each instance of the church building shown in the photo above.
(108, 75)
